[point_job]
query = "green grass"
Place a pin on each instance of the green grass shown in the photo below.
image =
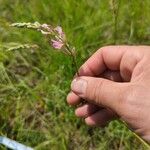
(34, 83)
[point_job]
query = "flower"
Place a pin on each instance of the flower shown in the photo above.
(60, 32)
(57, 44)
(55, 35)
(59, 38)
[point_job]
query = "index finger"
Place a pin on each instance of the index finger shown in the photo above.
(108, 57)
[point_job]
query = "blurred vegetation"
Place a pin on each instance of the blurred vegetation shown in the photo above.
(34, 82)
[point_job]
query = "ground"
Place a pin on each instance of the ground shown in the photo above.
(34, 82)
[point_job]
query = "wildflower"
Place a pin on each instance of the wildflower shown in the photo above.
(59, 39)
(56, 36)
(60, 32)
(57, 44)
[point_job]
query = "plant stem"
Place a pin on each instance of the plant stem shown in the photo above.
(116, 8)
(75, 64)
(73, 59)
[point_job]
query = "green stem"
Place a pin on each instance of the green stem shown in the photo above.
(75, 64)
(115, 14)
(73, 59)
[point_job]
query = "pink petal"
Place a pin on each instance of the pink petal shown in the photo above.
(57, 44)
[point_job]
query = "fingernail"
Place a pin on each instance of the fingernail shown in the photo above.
(79, 85)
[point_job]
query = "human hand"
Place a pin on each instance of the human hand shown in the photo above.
(115, 82)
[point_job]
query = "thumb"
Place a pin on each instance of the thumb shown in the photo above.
(101, 91)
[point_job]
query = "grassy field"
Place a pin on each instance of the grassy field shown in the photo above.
(34, 82)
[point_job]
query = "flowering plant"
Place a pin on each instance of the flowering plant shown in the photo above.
(56, 37)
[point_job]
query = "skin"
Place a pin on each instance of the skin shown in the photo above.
(115, 82)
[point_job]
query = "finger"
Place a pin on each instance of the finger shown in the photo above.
(86, 110)
(105, 58)
(73, 99)
(100, 91)
(112, 75)
(100, 118)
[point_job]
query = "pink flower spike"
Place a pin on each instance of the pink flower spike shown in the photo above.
(57, 44)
